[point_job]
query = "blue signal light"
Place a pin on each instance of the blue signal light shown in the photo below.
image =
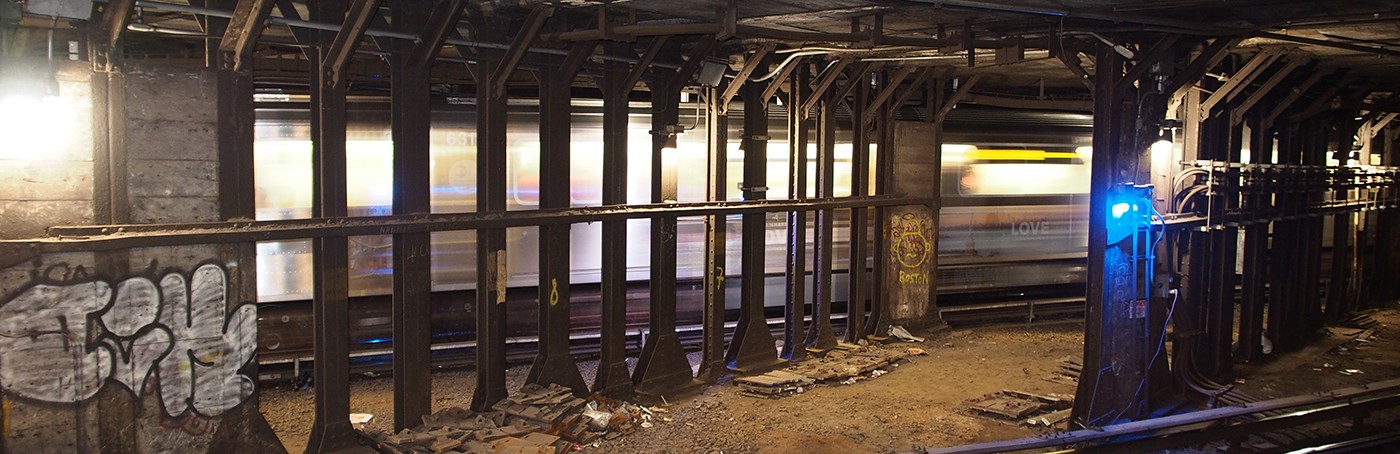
(1120, 209)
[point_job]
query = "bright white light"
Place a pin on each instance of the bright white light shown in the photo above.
(34, 128)
(1120, 209)
(1161, 148)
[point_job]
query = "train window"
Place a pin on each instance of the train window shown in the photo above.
(1017, 172)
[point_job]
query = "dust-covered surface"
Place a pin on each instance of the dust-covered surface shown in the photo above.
(920, 403)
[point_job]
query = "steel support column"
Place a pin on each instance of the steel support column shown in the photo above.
(820, 336)
(712, 347)
(490, 198)
(1115, 375)
(663, 372)
(331, 430)
(409, 122)
(1254, 284)
(554, 364)
(858, 291)
(794, 328)
(753, 349)
(613, 379)
(1341, 300)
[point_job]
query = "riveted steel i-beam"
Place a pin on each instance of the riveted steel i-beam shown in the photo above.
(613, 378)
(663, 372)
(857, 265)
(331, 430)
(794, 330)
(712, 347)
(553, 363)
(820, 336)
(753, 349)
(490, 198)
(409, 85)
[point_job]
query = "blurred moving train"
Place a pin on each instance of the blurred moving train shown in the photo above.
(1015, 198)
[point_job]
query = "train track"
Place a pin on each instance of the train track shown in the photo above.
(521, 349)
(1234, 425)
(518, 350)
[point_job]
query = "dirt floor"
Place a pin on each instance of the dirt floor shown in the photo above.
(919, 404)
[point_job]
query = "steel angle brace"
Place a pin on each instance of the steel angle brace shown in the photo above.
(1198, 67)
(518, 47)
(1293, 96)
(1159, 50)
(750, 64)
(1241, 79)
(819, 88)
(887, 91)
(1237, 115)
(957, 96)
(244, 28)
(358, 17)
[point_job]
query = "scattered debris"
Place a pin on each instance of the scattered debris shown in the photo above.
(1017, 405)
(360, 419)
(1068, 372)
(1052, 419)
(538, 419)
(846, 364)
(773, 385)
(900, 333)
(1351, 372)
(1363, 321)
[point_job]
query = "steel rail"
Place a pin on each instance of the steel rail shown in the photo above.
(1306, 408)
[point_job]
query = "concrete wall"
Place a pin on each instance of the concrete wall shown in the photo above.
(141, 350)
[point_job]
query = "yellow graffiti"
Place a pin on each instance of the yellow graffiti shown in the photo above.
(719, 277)
(912, 278)
(910, 245)
(553, 291)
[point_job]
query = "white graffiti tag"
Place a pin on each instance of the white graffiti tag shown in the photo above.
(62, 343)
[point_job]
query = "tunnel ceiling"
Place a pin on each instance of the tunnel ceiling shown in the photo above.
(1019, 45)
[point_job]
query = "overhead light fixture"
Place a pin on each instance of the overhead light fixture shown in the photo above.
(711, 72)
